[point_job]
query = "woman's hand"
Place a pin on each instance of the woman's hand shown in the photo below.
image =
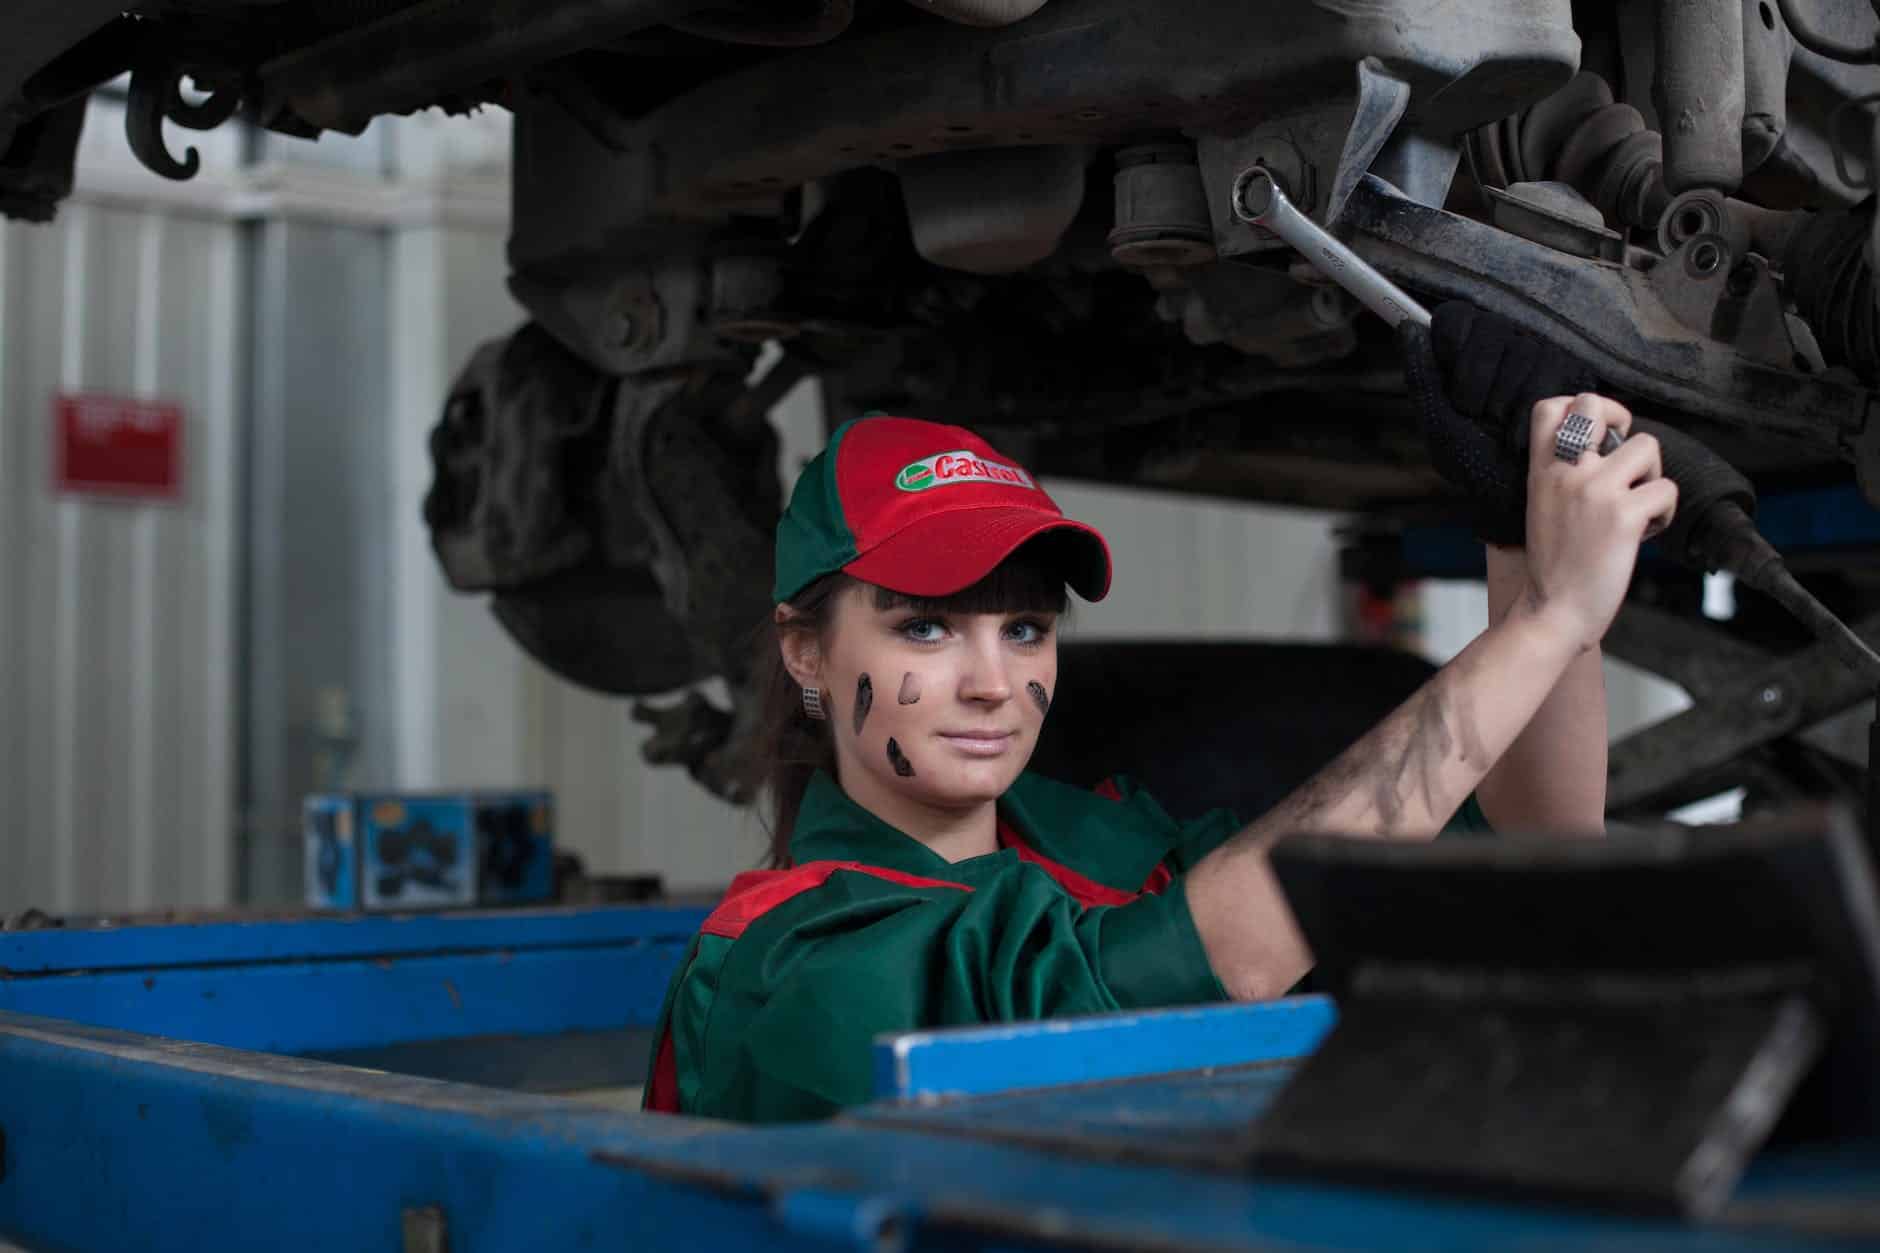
(1586, 519)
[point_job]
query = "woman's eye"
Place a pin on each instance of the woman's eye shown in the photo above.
(1026, 631)
(922, 630)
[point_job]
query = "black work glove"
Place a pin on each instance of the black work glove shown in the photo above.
(1475, 378)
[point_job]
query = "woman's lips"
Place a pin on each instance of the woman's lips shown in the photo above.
(979, 743)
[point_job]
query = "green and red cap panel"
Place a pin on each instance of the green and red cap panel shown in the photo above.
(924, 509)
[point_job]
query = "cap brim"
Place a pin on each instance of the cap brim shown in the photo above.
(944, 553)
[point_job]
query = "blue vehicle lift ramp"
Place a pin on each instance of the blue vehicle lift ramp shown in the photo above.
(1094, 1133)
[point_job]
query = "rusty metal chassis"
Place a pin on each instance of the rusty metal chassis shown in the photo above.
(632, 214)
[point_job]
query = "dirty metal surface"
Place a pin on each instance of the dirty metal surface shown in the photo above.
(1199, 1121)
(1609, 317)
(1093, 71)
(259, 1151)
(1196, 1119)
(1754, 707)
(1621, 1022)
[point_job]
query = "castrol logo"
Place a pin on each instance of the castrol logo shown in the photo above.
(947, 468)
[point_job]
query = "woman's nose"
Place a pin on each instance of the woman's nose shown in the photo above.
(985, 678)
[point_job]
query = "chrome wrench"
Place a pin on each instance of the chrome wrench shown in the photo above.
(1259, 201)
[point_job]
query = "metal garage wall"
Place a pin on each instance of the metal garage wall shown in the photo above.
(375, 260)
(116, 619)
(318, 507)
(175, 677)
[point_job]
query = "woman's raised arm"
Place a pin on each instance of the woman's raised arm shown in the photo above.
(1406, 777)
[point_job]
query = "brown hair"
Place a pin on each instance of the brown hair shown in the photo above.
(790, 746)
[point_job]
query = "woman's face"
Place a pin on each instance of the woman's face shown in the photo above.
(939, 709)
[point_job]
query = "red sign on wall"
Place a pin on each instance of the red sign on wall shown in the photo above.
(117, 445)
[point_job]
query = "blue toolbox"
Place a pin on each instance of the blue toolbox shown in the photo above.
(403, 851)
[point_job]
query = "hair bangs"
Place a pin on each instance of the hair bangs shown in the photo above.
(1025, 582)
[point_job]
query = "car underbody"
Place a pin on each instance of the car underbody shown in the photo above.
(1019, 215)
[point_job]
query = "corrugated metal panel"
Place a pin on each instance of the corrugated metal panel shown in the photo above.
(467, 682)
(116, 619)
(319, 597)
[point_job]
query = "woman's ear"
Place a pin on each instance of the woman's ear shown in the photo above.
(801, 649)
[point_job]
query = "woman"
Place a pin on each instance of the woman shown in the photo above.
(926, 880)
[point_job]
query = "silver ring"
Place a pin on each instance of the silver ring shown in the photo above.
(1573, 438)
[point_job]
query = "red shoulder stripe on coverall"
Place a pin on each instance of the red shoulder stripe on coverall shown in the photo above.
(752, 895)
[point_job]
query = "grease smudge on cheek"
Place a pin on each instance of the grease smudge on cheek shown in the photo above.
(864, 701)
(902, 766)
(910, 690)
(1039, 696)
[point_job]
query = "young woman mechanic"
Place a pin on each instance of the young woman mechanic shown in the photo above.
(926, 880)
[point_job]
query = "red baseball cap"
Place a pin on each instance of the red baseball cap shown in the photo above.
(923, 509)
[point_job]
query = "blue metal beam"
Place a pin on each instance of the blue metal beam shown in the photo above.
(1823, 520)
(538, 998)
(114, 1141)
(330, 937)
(975, 1061)
(326, 984)
(317, 1007)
